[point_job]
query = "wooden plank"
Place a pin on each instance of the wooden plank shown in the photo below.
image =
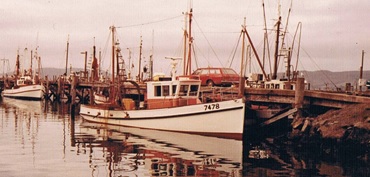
(280, 116)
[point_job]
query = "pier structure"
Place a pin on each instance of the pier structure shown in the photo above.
(79, 89)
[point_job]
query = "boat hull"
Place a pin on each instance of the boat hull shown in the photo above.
(29, 92)
(222, 119)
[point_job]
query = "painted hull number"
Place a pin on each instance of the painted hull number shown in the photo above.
(211, 106)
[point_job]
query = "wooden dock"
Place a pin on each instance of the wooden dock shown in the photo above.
(77, 89)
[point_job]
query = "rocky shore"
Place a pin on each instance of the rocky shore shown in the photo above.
(345, 131)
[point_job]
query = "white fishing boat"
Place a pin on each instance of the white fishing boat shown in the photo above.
(25, 89)
(27, 85)
(174, 106)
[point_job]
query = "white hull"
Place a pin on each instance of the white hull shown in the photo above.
(101, 99)
(224, 119)
(31, 92)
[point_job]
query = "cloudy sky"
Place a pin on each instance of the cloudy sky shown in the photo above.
(333, 34)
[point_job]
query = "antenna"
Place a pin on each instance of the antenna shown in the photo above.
(173, 63)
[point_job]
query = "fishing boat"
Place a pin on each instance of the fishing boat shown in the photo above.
(26, 86)
(174, 106)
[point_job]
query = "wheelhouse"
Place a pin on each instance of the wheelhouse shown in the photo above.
(180, 92)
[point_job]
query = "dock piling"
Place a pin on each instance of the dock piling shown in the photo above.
(299, 96)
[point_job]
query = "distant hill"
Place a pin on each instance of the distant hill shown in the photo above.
(321, 79)
(317, 79)
(50, 72)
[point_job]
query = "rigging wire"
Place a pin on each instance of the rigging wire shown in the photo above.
(208, 42)
(322, 71)
(286, 25)
(195, 57)
(105, 49)
(235, 49)
(152, 22)
(312, 60)
(266, 39)
(299, 26)
(195, 46)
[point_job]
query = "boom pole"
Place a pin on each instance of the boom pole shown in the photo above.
(67, 56)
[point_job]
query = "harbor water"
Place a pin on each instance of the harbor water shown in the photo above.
(41, 139)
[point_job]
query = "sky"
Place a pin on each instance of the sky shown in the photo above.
(333, 32)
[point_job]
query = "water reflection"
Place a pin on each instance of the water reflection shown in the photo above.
(40, 138)
(158, 153)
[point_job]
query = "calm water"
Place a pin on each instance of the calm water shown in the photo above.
(40, 139)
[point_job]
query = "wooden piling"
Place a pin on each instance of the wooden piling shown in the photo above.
(73, 88)
(299, 95)
(46, 96)
(241, 86)
(91, 93)
(59, 89)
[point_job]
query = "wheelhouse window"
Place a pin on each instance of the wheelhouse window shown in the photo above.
(193, 90)
(161, 90)
(157, 91)
(183, 90)
(174, 89)
(166, 90)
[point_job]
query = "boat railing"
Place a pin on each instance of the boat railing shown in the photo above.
(218, 94)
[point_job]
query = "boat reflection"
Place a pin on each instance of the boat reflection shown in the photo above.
(142, 152)
(29, 106)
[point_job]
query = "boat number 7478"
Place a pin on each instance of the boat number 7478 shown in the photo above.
(211, 106)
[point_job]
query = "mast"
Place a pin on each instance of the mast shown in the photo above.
(274, 74)
(241, 79)
(99, 71)
(288, 72)
(151, 59)
(129, 63)
(38, 68)
(94, 67)
(112, 93)
(31, 62)
(190, 38)
(361, 69)
(85, 66)
(113, 49)
(17, 65)
(243, 49)
(266, 40)
(185, 42)
(140, 55)
(67, 55)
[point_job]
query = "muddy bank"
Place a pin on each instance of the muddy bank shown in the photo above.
(345, 131)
